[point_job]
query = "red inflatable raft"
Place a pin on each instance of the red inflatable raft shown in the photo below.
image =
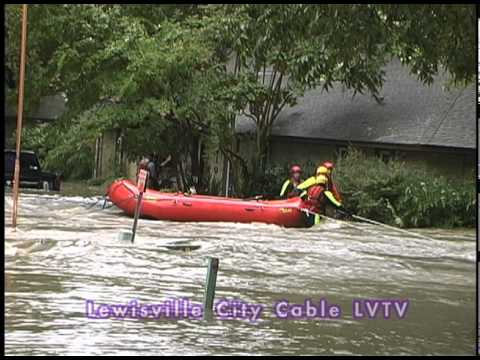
(181, 207)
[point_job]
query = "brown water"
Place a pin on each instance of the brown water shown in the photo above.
(66, 251)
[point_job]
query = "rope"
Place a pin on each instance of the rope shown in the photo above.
(105, 198)
(411, 233)
(88, 208)
(367, 220)
(95, 203)
(342, 222)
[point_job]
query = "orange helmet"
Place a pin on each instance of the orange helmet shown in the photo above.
(295, 169)
(329, 165)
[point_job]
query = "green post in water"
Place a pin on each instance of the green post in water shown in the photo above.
(210, 284)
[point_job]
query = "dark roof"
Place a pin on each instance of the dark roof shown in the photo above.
(412, 114)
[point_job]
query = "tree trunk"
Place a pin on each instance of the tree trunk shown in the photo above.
(202, 182)
(177, 162)
(240, 171)
(195, 161)
(261, 155)
(185, 182)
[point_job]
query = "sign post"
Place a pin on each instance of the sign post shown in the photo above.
(141, 185)
(23, 50)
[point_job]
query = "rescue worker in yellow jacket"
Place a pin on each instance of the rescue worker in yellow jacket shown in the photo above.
(289, 186)
(316, 192)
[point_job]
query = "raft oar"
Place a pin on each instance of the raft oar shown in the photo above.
(411, 233)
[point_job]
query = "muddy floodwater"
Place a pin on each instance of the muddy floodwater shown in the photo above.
(66, 253)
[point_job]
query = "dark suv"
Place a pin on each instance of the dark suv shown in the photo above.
(31, 174)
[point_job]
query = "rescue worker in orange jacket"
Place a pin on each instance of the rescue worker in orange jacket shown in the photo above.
(289, 186)
(331, 185)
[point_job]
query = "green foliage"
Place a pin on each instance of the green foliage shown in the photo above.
(75, 159)
(404, 196)
(58, 153)
(169, 76)
(270, 183)
(280, 51)
(36, 138)
(151, 74)
(427, 37)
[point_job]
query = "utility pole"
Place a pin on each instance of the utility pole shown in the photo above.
(23, 50)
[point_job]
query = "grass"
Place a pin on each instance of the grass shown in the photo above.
(82, 188)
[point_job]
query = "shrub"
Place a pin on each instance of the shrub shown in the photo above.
(270, 182)
(396, 194)
(391, 192)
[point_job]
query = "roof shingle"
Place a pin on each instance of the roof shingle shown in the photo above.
(412, 114)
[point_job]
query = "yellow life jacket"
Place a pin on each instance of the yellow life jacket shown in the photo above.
(313, 180)
(285, 187)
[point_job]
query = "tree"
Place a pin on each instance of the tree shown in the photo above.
(150, 74)
(167, 97)
(170, 76)
(280, 51)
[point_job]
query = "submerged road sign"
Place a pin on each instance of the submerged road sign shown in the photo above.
(142, 180)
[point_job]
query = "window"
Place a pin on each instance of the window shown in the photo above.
(385, 155)
(342, 152)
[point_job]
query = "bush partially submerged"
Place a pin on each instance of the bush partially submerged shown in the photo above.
(402, 195)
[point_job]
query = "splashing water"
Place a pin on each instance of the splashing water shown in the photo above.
(65, 251)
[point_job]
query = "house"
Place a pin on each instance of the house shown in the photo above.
(111, 157)
(108, 149)
(49, 108)
(428, 126)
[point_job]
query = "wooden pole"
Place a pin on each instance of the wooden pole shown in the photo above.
(16, 179)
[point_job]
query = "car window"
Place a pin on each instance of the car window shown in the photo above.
(29, 161)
